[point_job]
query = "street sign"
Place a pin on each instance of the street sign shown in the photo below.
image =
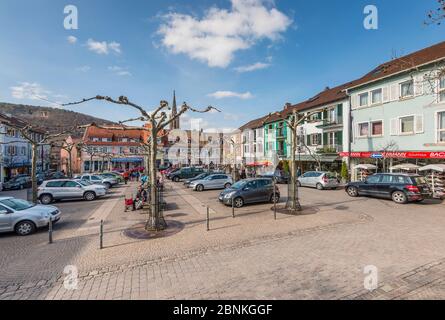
(377, 156)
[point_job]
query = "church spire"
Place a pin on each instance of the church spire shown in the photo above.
(176, 123)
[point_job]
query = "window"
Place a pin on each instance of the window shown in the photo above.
(407, 125)
(441, 126)
(376, 96)
(70, 184)
(55, 184)
(363, 99)
(407, 89)
(315, 139)
(377, 128)
(363, 129)
(373, 179)
(442, 89)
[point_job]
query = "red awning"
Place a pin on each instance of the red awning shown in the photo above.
(259, 164)
(397, 155)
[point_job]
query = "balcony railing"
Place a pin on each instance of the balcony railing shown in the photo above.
(330, 149)
(330, 122)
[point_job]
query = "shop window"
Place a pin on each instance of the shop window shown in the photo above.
(363, 129)
(407, 89)
(363, 99)
(376, 96)
(377, 128)
(441, 126)
(407, 125)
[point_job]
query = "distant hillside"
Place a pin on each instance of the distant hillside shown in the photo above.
(49, 118)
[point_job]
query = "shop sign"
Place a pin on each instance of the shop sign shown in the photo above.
(396, 155)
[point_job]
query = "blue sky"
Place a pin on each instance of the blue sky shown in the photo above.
(145, 49)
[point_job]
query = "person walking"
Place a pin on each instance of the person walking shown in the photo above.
(126, 176)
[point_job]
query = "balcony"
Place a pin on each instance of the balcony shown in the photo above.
(330, 149)
(330, 123)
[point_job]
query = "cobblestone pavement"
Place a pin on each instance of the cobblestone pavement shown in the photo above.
(319, 255)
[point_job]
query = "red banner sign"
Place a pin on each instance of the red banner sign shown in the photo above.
(397, 155)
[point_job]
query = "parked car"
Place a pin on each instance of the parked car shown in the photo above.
(98, 179)
(170, 171)
(18, 183)
(400, 187)
(252, 190)
(56, 175)
(318, 179)
(24, 217)
(113, 175)
(277, 175)
(199, 177)
(185, 173)
(214, 181)
(69, 189)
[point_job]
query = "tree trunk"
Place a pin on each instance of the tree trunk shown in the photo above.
(35, 154)
(70, 164)
(155, 221)
(293, 203)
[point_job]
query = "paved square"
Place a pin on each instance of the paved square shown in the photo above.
(321, 255)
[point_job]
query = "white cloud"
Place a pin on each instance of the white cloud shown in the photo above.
(119, 71)
(84, 69)
(103, 47)
(31, 91)
(230, 94)
(72, 39)
(252, 67)
(216, 37)
(34, 91)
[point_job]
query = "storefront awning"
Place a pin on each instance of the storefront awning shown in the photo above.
(323, 158)
(129, 160)
(259, 164)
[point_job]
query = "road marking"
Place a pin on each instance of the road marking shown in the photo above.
(194, 202)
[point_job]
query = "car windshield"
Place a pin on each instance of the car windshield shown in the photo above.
(201, 176)
(84, 183)
(238, 185)
(17, 204)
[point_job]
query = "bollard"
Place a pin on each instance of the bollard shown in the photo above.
(101, 235)
(233, 208)
(50, 230)
(274, 200)
(208, 219)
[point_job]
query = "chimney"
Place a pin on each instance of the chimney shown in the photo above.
(287, 105)
(327, 88)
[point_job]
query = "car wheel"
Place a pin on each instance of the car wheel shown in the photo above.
(238, 202)
(89, 196)
(107, 185)
(46, 199)
(227, 185)
(399, 197)
(319, 186)
(176, 179)
(276, 199)
(352, 191)
(25, 228)
(199, 187)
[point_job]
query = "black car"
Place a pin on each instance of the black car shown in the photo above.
(250, 191)
(185, 173)
(278, 176)
(400, 187)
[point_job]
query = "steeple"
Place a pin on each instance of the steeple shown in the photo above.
(176, 123)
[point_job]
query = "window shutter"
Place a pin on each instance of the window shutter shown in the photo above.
(340, 113)
(353, 101)
(418, 85)
(325, 138)
(385, 94)
(319, 136)
(339, 138)
(419, 124)
(394, 130)
(394, 92)
(308, 140)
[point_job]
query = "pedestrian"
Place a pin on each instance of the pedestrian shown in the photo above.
(129, 202)
(137, 176)
(126, 176)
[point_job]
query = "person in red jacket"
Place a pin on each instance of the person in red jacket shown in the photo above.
(126, 176)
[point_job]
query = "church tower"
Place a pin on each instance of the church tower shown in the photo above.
(176, 123)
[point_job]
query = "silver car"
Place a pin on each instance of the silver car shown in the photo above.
(318, 179)
(24, 217)
(69, 189)
(214, 181)
(98, 179)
